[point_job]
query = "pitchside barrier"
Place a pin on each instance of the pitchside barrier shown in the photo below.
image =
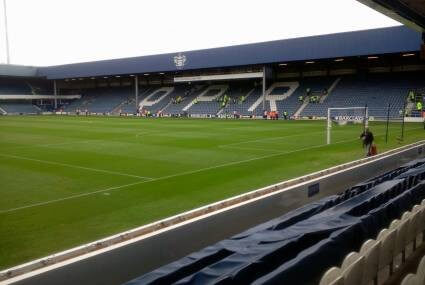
(122, 257)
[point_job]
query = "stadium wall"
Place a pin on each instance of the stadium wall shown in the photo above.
(124, 261)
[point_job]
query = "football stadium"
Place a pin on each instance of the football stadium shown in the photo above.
(294, 161)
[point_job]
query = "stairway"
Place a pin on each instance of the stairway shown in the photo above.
(302, 107)
(334, 84)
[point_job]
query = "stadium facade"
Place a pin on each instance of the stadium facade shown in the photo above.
(251, 79)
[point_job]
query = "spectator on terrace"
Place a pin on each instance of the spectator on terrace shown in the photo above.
(367, 138)
(412, 96)
(308, 91)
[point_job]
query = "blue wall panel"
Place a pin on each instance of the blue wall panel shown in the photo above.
(368, 42)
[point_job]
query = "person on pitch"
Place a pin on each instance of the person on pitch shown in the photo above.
(367, 137)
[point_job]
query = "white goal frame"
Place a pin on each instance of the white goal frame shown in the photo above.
(329, 120)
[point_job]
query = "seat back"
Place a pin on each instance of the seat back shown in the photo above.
(419, 211)
(421, 271)
(394, 224)
(422, 217)
(410, 279)
(349, 259)
(400, 242)
(386, 251)
(353, 273)
(412, 230)
(370, 250)
(330, 276)
(338, 281)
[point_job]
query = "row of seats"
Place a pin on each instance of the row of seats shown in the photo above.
(102, 100)
(11, 86)
(287, 250)
(375, 256)
(19, 107)
(376, 92)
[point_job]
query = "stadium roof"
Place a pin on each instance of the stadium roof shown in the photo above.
(17, 70)
(359, 43)
(409, 12)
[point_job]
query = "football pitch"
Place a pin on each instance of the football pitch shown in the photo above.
(65, 181)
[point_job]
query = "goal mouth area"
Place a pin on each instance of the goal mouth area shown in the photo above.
(347, 120)
(346, 116)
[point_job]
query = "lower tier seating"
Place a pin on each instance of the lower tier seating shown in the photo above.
(300, 246)
(18, 107)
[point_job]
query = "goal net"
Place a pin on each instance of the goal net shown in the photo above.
(346, 116)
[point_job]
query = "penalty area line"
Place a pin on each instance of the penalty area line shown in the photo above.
(75, 166)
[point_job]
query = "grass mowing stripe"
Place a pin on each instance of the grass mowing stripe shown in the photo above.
(170, 176)
(45, 145)
(273, 138)
(70, 197)
(75, 166)
(183, 173)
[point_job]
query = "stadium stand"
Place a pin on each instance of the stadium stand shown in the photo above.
(292, 103)
(11, 86)
(187, 94)
(244, 97)
(238, 95)
(251, 95)
(18, 107)
(14, 87)
(208, 101)
(101, 100)
(375, 91)
(357, 233)
(157, 100)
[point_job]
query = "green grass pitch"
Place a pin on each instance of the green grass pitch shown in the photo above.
(65, 181)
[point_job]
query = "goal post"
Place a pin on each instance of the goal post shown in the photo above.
(345, 115)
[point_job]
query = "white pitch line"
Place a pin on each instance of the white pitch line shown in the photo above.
(248, 148)
(273, 138)
(147, 133)
(74, 166)
(165, 177)
(67, 198)
(46, 145)
(175, 175)
(283, 137)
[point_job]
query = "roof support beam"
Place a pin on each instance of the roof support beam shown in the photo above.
(398, 11)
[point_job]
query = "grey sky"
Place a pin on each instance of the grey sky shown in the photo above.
(49, 32)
